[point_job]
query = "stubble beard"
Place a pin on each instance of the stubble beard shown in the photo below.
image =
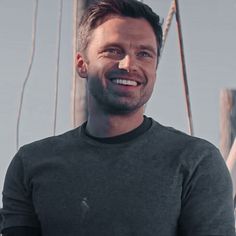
(115, 103)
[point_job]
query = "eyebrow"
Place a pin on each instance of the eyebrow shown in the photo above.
(116, 45)
(142, 47)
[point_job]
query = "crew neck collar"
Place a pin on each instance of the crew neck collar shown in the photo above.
(141, 129)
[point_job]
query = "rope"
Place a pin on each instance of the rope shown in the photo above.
(34, 28)
(57, 67)
(167, 25)
(184, 71)
(174, 10)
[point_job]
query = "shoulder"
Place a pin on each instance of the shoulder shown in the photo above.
(50, 144)
(47, 149)
(180, 140)
(188, 150)
(199, 159)
(45, 152)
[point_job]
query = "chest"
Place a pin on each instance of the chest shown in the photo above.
(115, 197)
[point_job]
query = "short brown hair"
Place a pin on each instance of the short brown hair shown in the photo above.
(97, 12)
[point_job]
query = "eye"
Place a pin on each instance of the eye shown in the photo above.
(113, 52)
(144, 54)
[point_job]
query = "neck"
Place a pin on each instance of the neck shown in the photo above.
(104, 125)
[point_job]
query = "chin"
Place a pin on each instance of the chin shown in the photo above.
(122, 109)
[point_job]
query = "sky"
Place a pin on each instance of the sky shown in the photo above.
(209, 34)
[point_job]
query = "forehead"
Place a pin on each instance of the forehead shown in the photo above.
(124, 29)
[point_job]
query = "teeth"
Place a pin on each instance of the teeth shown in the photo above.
(125, 82)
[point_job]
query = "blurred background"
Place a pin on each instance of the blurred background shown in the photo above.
(209, 34)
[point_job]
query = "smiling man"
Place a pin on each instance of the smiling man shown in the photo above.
(120, 173)
(120, 66)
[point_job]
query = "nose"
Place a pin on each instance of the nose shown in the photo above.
(128, 63)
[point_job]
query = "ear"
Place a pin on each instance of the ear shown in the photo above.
(81, 66)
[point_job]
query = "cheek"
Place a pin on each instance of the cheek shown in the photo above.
(151, 82)
(99, 68)
(151, 75)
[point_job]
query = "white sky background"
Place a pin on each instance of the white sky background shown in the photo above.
(209, 33)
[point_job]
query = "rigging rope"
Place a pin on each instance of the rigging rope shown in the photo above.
(174, 10)
(57, 67)
(184, 71)
(34, 28)
(167, 25)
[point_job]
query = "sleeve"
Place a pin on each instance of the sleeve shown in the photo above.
(207, 199)
(18, 209)
(22, 231)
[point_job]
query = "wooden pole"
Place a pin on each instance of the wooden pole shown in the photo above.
(227, 120)
(228, 131)
(79, 95)
(231, 164)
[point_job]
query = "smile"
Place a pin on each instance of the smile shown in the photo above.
(125, 82)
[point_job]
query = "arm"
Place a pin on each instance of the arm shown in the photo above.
(207, 199)
(18, 208)
(22, 231)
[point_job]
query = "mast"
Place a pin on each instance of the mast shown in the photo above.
(78, 95)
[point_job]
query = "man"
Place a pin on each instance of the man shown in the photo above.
(120, 173)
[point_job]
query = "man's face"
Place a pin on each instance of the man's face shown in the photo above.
(120, 64)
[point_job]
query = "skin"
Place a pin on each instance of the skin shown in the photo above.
(121, 48)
